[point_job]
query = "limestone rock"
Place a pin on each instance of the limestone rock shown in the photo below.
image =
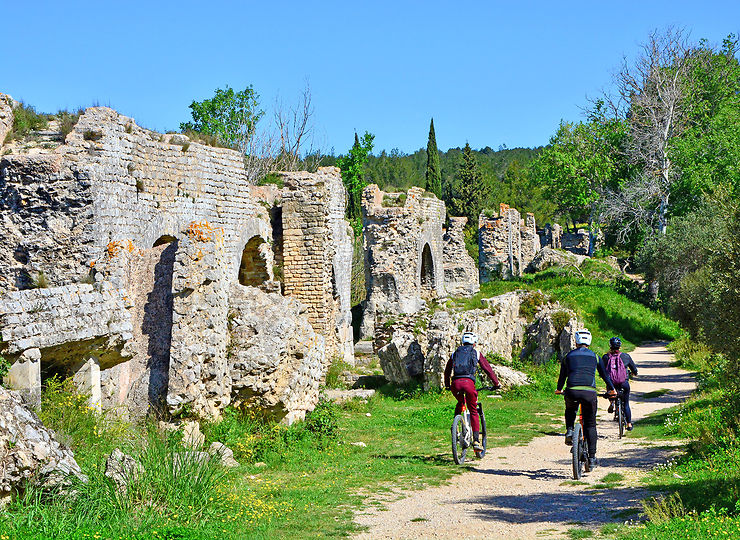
(342, 396)
(550, 334)
(509, 377)
(122, 469)
(192, 437)
(30, 452)
(402, 359)
(548, 257)
(276, 359)
(7, 104)
(225, 454)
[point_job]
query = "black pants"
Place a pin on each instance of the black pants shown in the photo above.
(625, 386)
(587, 399)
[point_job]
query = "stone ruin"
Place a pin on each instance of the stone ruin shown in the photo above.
(151, 255)
(506, 243)
(410, 259)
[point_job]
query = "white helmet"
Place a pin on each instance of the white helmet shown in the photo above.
(583, 337)
(469, 338)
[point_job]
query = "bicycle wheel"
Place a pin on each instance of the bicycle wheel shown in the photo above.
(620, 417)
(459, 449)
(577, 450)
(584, 455)
(483, 436)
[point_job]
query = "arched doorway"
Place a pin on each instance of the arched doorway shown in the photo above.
(428, 289)
(253, 268)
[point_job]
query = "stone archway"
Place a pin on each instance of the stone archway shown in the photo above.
(427, 279)
(253, 270)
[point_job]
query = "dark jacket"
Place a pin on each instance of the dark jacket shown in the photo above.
(626, 360)
(482, 362)
(579, 369)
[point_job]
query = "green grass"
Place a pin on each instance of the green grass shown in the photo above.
(575, 534)
(603, 310)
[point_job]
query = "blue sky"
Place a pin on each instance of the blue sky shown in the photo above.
(489, 73)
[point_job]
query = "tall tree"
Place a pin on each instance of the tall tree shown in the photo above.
(231, 116)
(434, 171)
(353, 175)
(469, 192)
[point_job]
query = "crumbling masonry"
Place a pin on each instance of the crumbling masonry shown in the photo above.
(507, 243)
(137, 239)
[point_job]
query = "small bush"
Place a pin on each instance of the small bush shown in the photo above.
(531, 304)
(272, 178)
(26, 120)
(40, 281)
(660, 510)
(92, 135)
(335, 370)
(67, 121)
(324, 420)
(394, 201)
(560, 319)
(4, 368)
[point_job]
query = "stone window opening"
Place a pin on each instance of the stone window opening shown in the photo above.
(276, 223)
(164, 239)
(427, 272)
(253, 268)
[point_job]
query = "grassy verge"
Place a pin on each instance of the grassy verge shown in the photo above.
(701, 488)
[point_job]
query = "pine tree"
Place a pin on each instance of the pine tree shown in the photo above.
(468, 193)
(434, 172)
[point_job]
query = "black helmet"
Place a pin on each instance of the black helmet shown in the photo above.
(615, 343)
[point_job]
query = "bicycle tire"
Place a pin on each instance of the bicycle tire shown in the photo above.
(577, 450)
(621, 421)
(584, 455)
(483, 435)
(457, 434)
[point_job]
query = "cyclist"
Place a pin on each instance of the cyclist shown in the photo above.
(461, 368)
(617, 364)
(579, 370)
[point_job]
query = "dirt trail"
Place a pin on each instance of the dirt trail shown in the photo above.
(519, 492)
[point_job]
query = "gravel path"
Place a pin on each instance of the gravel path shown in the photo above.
(523, 491)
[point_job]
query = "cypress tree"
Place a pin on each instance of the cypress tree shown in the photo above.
(470, 191)
(434, 172)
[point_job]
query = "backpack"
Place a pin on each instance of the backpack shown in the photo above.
(464, 362)
(617, 371)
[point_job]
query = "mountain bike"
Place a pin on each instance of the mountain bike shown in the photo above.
(462, 434)
(580, 447)
(619, 416)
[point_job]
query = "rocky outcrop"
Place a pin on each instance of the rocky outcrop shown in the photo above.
(507, 243)
(461, 272)
(29, 452)
(417, 348)
(276, 359)
(550, 334)
(548, 257)
(122, 469)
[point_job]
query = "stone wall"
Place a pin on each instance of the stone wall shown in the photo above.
(317, 254)
(506, 243)
(114, 181)
(61, 329)
(404, 261)
(6, 116)
(199, 378)
(276, 359)
(461, 272)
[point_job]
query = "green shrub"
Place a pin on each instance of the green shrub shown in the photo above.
(335, 370)
(92, 135)
(67, 121)
(4, 368)
(323, 420)
(531, 303)
(40, 281)
(26, 120)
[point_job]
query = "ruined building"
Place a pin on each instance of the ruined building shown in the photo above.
(409, 260)
(506, 243)
(136, 262)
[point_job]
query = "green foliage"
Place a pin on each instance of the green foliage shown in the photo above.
(323, 421)
(230, 116)
(25, 121)
(468, 192)
(434, 171)
(531, 304)
(92, 135)
(335, 370)
(39, 281)
(353, 173)
(272, 178)
(67, 121)
(4, 368)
